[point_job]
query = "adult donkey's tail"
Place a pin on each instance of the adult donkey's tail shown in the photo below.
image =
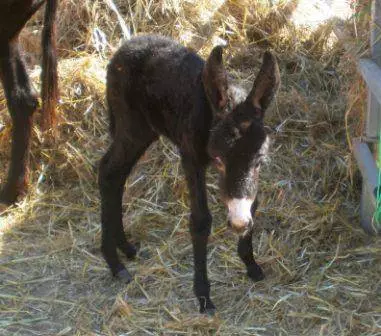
(49, 84)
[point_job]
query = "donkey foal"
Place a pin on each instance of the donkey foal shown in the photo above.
(158, 87)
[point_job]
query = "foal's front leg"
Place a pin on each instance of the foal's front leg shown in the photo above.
(200, 223)
(245, 251)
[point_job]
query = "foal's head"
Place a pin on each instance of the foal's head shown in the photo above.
(238, 143)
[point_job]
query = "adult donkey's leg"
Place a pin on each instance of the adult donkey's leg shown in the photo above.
(200, 223)
(22, 102)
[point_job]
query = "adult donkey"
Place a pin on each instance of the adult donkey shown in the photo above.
(21, 97)
(158, 87)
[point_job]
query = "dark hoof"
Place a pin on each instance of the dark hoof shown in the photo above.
(124, 276)
(10, 193)
(255, 273)
(207, 307)
(7, 199)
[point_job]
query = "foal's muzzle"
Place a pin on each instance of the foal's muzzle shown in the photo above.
(241, 227)
(239, 216)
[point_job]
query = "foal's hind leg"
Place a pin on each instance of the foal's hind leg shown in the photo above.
(22, 102)
(114, 169)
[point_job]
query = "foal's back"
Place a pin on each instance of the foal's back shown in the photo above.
(153, 80)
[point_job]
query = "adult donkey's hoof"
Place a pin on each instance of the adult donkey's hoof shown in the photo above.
(7, 198)
(10, 193)
(124, 276)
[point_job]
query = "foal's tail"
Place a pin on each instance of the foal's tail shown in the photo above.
(49, 85)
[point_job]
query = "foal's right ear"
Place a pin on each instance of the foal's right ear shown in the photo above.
(215, 80)
(266, 83)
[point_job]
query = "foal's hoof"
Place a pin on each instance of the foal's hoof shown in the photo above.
(207, 307)
(124, 276)
(255, 273)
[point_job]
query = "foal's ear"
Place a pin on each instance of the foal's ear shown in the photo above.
(215, 80)
(266, 84)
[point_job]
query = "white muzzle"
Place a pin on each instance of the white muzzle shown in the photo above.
(239, 215)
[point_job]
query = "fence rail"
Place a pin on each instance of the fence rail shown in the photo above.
(364, 147)
(371, 73)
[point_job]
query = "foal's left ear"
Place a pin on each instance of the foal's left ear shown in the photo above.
(214, 78)
(266, 84)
